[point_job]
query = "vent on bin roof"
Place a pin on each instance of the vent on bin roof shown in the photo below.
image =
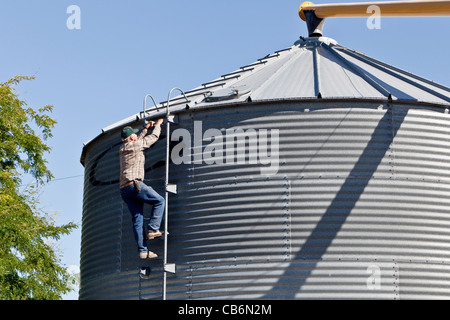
(227, 93)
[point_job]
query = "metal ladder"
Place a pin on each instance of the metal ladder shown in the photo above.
(169, 189)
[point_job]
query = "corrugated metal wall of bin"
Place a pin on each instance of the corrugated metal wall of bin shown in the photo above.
(358, 208)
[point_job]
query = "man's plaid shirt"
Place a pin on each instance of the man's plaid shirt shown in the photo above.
(132, 157)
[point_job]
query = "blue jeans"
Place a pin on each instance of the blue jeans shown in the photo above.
(135, 202)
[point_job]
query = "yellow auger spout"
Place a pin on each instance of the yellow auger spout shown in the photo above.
(388, 9)
(310, 12)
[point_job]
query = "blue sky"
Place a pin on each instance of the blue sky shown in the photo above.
(99, 75)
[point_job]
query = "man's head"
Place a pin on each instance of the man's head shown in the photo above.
(128, 133)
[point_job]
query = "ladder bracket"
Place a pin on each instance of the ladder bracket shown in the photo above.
(144, 272)
(173, 119)
(169, 268)
(172, 188)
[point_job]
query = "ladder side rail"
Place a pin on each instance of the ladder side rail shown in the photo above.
(166, 209)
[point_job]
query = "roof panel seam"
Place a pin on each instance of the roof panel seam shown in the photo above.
(386, 65)
(290, 59)
(355, 69)
(396, 75)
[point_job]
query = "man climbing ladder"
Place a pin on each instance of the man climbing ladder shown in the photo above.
(134, 191)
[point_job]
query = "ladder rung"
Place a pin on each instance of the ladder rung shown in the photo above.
(173, 119)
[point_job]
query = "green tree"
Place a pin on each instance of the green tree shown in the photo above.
(29, 265)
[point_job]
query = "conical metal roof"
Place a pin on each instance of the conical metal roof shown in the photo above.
(313, 68)
(318, 67)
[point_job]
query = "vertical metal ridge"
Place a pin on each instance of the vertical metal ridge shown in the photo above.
(316, 68)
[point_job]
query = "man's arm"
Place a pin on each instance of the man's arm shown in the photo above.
(149, 140)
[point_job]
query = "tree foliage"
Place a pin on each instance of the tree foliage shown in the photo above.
(29, 265)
